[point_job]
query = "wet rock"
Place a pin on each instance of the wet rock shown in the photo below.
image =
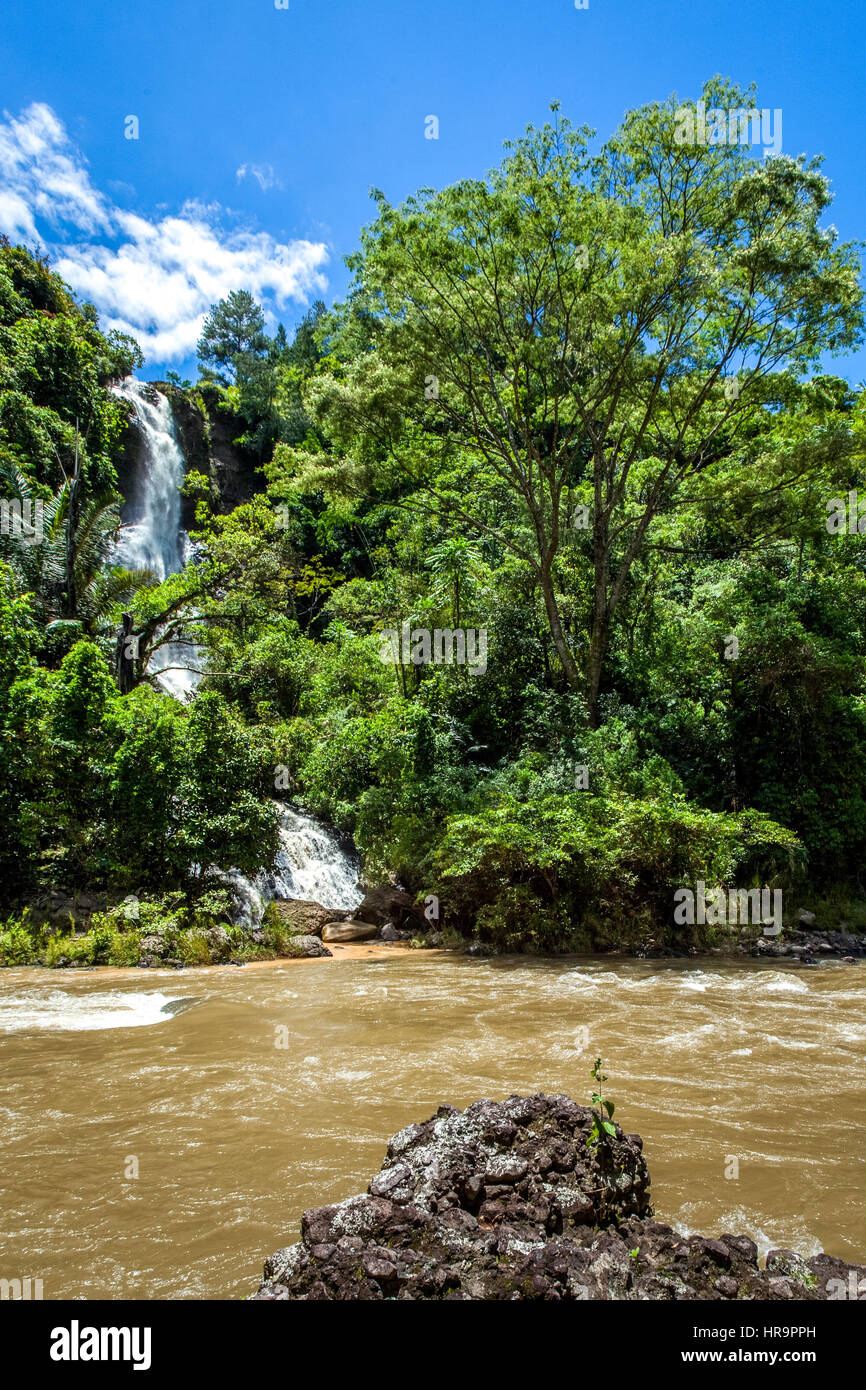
(390, 933)
(349, 931)
(512, 1200)
(388, 904)
(800, 944)
(308, 946)
(480, 948)
(806, 919)
(304, 918)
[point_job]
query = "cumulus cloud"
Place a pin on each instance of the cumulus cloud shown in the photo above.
(155, 278)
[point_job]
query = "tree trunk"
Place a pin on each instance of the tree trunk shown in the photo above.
(595, 666)
(124, 661)
(601, 614)
(563, 650)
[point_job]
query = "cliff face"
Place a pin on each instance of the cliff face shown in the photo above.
(515, 1200)
(206, 439)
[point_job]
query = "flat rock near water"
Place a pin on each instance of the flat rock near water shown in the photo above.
(513, 1200)
(349, 931)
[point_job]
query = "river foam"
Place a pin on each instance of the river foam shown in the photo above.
(67, 1011)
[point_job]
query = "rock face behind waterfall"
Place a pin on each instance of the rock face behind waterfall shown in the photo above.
(511, 1200)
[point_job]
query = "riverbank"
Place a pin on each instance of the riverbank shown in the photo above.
(234, 920)
(75, 953)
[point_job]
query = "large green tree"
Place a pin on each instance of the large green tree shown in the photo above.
(583, 337)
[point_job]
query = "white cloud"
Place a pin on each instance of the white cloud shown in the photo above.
(39, 165)
(153, 278)
(262, 173)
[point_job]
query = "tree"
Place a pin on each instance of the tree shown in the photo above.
(579, 332)
(76, 587)
(233, 333)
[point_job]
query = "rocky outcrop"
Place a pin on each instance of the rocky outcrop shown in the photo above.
(383, 905)
(301, 917)
(390, 906)
(236, 476)
(812, 945)
(60, 909)
(520, 1200)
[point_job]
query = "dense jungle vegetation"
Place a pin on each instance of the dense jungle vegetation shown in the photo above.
(579, 405)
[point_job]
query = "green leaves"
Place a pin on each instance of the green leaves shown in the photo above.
(600, 1126)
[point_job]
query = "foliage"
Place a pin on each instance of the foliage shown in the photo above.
(518, 423)
(601, 1107)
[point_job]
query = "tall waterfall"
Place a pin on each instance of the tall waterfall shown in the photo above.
(152, 538)
(311, 863)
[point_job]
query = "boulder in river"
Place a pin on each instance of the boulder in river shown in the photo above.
(309, 946)
(349, 931)
(388, 904)
(303, 918)
(517, 1199)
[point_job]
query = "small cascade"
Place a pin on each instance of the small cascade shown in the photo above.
(152, 537)
(311, 864)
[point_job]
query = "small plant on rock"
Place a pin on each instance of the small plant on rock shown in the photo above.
(600, 1125)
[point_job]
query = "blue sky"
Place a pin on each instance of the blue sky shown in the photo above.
(261, 130)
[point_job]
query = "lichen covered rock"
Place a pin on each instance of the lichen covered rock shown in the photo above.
(518, 1200)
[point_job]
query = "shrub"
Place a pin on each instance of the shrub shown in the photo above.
(69, 950)
(124, 949)
(519, 920)
(193, 948)
(521, 872)
(17, 946)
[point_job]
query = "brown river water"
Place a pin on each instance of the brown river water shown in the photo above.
(275, 1088)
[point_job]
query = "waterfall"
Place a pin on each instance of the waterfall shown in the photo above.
(152, 537)
(311, 863)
